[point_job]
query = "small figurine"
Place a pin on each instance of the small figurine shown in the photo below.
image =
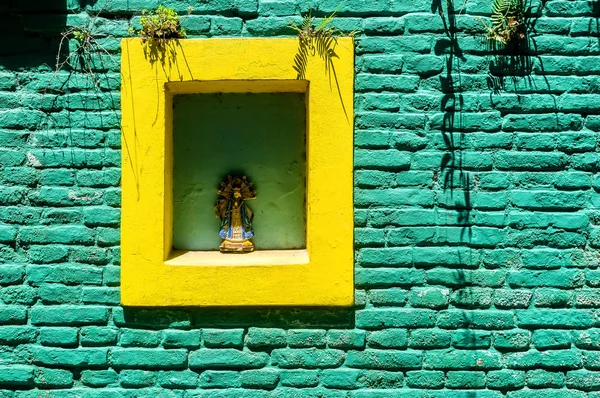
(236, 218)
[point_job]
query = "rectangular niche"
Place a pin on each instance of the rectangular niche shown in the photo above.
(260, 135)
(208, 107)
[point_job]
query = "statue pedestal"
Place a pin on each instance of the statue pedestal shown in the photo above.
(236, 247)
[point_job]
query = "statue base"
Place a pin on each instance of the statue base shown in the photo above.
(236, 247)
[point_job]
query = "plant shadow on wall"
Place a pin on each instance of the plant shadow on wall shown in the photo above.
(508, 42)
(318, 40)
(453, 173)
(160, 30)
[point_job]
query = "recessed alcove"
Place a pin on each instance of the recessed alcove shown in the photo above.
(261, 135)
(211, 107)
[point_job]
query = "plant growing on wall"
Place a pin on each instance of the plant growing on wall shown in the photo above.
(160, 24)
(507, 22)
(319, 39)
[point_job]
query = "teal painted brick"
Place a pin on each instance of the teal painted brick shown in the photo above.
(260, 378)
(346, 339)
(388, 338)
(513, 340)
(576, 319)
(306, 338)
(429, 338)
(552, 298)
(471, 339)
(227, 358)
(178, 380)
(59, 294)
(388, 297)
(384, 359)
(223, 338)
(98, 336)
(68, 315)
(553, 359)
(15, 335)
(429, 297)
(18, 295)
(139, 338)
(136, 378)
(180, 339)
(462, 359)
(266, 338)
(16, 376)
(67, 357)
(409, 318)
(551, 339)
(345, 379)
(59, 337)
(53, 378)
(12, 314)
(309, 358)
(425, 379)
(99, 378)
(467, 380)
(505, 379)
(299, 378)
(378, 379)
(220, 379)
(544, 379)
(147, 358)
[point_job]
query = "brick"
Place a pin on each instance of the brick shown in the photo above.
(429, 339)
(409, 318)
(227, 358)
(266, 338)
(562, 319)
(59, 337)
(346, 339)
(544, 379)
(220, 379)
(461, 379)
(12, 314)
(553, 359)
(98, 336)
(67, 357)
(299, 378)
(306, 338)
(462, 359)
(505, 379)
(68, 315)
(551, 339)
(181, 339)
(425, 379)
(259, 378)
(388, 338)
(223, 338)
(137, 378)
(146, 358)
(307, 358)
(99, 378)
(16, 376)
(53, 378)
(512, 340)
(178, 380)
(384, 359)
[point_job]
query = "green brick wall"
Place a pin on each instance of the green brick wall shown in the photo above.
(477, 222)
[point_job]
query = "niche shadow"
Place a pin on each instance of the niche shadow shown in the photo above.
(238, 317)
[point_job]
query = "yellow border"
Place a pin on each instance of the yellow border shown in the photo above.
(321, 275)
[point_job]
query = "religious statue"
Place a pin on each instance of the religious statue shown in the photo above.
(236, 218)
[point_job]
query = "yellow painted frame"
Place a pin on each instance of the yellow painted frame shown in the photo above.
(153, 275)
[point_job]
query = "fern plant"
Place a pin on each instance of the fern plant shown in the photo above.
(507, 21)
(318, 40)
